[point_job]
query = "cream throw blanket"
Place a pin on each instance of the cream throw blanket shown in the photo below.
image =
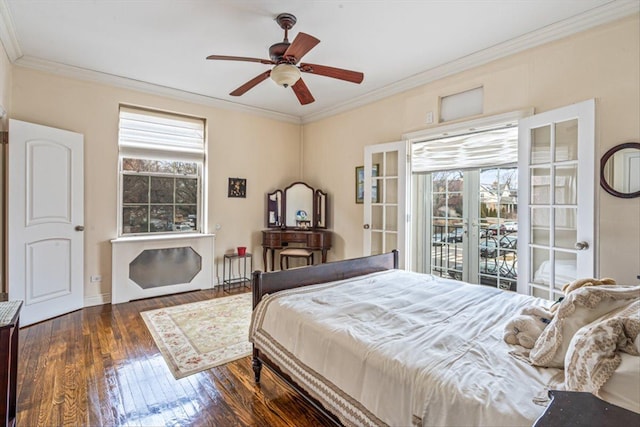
(594, 352)
(581, 307)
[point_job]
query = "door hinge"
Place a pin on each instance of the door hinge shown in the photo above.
(4, 137)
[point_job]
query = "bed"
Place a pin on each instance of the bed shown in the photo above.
(373, 345)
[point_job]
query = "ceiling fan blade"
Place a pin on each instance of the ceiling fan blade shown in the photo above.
(336, 73)
(241, 58)
(251, 83)
(302, 92)
(302, 44)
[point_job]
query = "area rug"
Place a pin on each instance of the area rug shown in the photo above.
(198, 336)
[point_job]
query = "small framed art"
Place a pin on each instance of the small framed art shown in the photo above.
(360, 184)
(237, 187)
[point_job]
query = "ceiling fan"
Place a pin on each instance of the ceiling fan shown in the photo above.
(286, 58)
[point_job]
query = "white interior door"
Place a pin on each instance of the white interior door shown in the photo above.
(45, 217)
(385, 189)
(556, 199)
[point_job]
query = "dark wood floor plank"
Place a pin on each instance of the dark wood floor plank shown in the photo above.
(100, 366)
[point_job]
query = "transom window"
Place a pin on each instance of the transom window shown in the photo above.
(161, 169)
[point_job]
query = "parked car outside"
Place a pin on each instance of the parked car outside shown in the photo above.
(509, 242)
(497, 229)
(182, 227)
(488, 248)
(456, 235)
(511, 226)
(438, 238)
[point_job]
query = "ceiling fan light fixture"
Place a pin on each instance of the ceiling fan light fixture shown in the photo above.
(285, 75)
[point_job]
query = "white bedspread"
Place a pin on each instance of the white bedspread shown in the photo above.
(402, 348)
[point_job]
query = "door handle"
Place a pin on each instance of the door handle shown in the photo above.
(366, 226)
(79, 227)
(581, 246)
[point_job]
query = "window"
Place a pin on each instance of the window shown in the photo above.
(161, 165)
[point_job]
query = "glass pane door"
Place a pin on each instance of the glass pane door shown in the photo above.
(498, 228)
(557, 198)
(448, 227)
(472, 221)
(384, 199)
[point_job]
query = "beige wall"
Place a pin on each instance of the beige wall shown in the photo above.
(264, 151)
(602, 63)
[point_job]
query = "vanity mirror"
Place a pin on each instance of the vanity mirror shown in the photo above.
(620, 170)
(296, 219)
(321, 209)
(298, 206)
(274, 208)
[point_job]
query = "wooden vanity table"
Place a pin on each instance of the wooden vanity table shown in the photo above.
(315, 240)
(296, 215)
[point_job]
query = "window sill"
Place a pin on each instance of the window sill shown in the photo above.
(161, 237)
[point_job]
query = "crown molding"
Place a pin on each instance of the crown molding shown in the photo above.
(614, 10)
(150, 88)
(8, 34)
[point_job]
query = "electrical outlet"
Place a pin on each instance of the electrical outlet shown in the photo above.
(95, 279)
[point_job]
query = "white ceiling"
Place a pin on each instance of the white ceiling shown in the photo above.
(161, 45)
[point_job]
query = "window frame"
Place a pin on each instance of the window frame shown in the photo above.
(162, 154)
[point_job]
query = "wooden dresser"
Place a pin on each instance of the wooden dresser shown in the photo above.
(9, 326)
(275, 238)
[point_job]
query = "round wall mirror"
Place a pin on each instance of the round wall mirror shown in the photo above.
(620, 170)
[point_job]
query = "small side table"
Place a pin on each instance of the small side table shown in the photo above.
(243, 278)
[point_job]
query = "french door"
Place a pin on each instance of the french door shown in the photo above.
(556, 163)
(469, 225)
(528, 228)
(385, 187)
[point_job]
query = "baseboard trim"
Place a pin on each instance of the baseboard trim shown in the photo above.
(99, 299)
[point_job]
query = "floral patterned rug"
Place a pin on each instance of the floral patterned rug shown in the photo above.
(198, 336)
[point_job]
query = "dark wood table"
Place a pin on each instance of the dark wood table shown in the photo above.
(572, 408)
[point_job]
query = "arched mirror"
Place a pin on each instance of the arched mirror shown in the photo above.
(298, 205)
(620, 170)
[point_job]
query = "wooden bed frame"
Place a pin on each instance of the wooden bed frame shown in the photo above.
(268, 283)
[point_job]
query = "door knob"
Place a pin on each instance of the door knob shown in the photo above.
(79, 228)
(581, 246)
(366, 226)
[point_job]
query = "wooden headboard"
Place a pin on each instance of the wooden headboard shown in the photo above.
(268, 283)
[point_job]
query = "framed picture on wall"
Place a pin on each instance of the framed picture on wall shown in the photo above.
(237, 187)
(375, 197)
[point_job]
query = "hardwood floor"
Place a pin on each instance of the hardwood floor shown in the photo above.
(100, 366)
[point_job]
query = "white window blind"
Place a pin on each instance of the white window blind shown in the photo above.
(494, 147)
(153, 130)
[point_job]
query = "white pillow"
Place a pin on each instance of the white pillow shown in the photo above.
(565, 272)
(578, 309)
